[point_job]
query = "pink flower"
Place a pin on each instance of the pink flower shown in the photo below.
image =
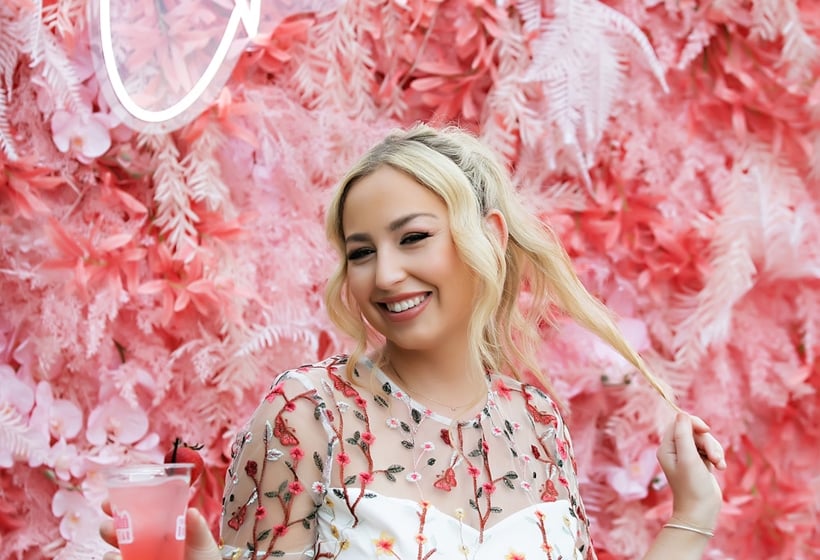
(632, 481)
(473, 471)
(18, 394)
(85, 136)
(392, 423)
(428, 446)
(297, 453)
(116, 420)
(343, 458)
(295, 487)
(318, 487)
(368, 438)
(413, 476)
(365, 477)
(66, 462)
(62, 418)
(79, 519)
(488, 487)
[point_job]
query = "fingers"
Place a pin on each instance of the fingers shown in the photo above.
(199, 542)
(108, 533)
(685, 448)
(711, 449)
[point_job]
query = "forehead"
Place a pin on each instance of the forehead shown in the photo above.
(385, 195)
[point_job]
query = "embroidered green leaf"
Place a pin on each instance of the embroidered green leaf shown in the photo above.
(263, 535)
(416, 415)
(395, 469)
(351, 479)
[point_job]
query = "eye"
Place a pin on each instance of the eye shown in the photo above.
(359, 253)
(411, 238)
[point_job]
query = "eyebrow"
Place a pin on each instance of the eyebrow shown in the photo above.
(396, 224)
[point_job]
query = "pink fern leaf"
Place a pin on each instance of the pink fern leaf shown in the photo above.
(506, 111)
(581, 65)
(696, 41)
(733, 270)
(203, 172)
(337, 71)
(530, 12)
(175, 216)
(55, 66)
(18, 442)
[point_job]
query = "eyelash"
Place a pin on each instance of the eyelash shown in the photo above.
(410, 238)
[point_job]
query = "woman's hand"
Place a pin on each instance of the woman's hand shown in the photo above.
(687, 454)
(199, 542)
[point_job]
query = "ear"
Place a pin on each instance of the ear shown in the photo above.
(496, 222)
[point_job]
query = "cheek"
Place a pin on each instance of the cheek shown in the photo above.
(358, 286)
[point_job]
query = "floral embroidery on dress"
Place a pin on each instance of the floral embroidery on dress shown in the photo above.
(327, 468)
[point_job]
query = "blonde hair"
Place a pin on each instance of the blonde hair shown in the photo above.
(467, 176)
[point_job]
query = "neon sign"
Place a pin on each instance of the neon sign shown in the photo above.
(160, 63)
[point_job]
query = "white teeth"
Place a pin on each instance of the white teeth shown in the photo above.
(400, 306)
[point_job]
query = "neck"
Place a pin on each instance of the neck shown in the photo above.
(435, 373)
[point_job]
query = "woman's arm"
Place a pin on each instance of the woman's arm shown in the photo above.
(687, 455)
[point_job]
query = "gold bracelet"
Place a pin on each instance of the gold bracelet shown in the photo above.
(697, 530)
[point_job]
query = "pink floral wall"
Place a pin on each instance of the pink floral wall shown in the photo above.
(152, 284)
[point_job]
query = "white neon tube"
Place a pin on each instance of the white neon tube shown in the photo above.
(249, 14)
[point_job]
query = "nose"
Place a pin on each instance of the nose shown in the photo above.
(389, 269)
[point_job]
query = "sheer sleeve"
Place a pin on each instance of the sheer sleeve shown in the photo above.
(555, 440)
(277, 481)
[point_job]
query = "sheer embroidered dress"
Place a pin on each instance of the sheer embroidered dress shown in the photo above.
(326, 469)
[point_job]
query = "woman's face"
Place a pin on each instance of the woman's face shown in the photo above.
(403, 269)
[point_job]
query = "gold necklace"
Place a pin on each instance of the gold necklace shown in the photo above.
(408, 388)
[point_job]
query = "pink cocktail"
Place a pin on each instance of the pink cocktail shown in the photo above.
(148, 503)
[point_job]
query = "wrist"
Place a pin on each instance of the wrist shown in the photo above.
(675, 524)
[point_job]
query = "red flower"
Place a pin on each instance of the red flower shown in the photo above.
(361, 403)
(368, 438)
(297, 453)
(261, 512)
(473, 470)
(295, 487)
(489, 488)
(251, 468)
(366, 477)
(343, 458)
(290, 406)
(502, 389)
(280, 530)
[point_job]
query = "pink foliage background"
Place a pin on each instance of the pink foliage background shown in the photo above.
(152, 285)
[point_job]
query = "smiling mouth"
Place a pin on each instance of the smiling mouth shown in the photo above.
(404, 305)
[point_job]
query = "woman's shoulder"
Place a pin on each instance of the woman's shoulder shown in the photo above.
(526, 396)
(327, 377)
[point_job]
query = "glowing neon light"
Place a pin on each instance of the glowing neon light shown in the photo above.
(246, 12)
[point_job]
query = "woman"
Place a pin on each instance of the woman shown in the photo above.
(423, 443)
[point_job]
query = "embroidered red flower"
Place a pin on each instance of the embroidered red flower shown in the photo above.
(251, 468)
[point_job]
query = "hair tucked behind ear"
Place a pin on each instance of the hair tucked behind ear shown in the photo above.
(471, 181)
